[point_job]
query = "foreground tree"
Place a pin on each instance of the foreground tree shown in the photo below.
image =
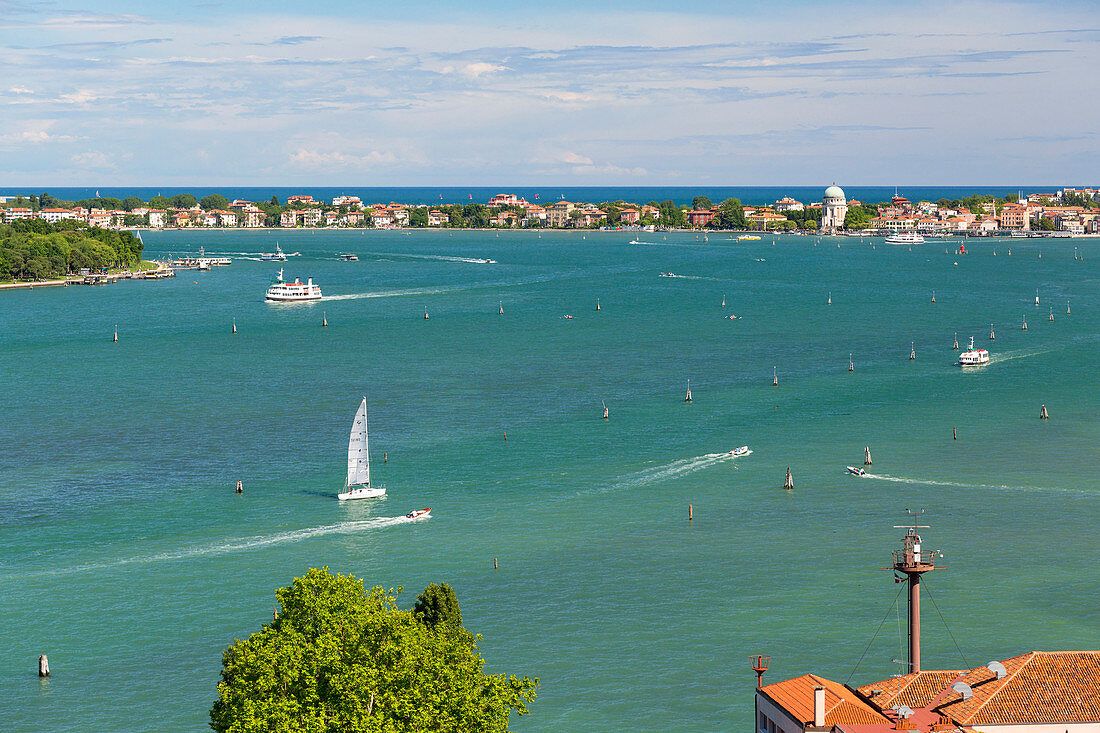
(340, 658)
(438, 606)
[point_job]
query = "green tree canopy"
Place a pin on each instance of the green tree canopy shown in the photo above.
(438, 606)
(159, 202)
(701, 202)
(214, 201)
(731, 215)
(341, 659)
(132, 202)
(182, 201)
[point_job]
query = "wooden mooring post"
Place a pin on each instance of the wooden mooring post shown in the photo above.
(43, 666)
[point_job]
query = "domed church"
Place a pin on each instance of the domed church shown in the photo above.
(834, 207)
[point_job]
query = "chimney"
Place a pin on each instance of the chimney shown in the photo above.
(819, 707)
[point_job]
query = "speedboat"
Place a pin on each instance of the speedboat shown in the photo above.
(732, 317)
(905, 238)
(276, 256)
(488, 262)
(745, 237)
(283, 292)
(856, 471)
(567, 317)
(633, 241)
(668, 274)
(742, 451)
(419, 514)
(349, 258)
(972, 356)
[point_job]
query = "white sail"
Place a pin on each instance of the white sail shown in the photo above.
(358, 451)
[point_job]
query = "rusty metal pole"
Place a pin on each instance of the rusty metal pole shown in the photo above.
(914, 622)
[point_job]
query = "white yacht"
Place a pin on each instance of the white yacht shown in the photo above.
(357, 485)
(738, 452)
(972, 356)
(283, 292)
(349, 257)
(276, 256)
(905, 238)
(856, 471)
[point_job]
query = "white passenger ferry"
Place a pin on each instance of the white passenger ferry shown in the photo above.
(972, 356)
(283, 292)
(905, 238)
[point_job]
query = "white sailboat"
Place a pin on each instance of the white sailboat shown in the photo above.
(358, 482)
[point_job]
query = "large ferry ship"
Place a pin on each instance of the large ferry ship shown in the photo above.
(283, 292)
(972, 356)
(905, 238)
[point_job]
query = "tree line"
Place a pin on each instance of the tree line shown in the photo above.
(338, 657)
(33, 249)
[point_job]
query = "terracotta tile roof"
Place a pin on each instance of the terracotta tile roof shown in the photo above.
(1039, 687)
(915, 690)
(842, 706)
(1062, 687)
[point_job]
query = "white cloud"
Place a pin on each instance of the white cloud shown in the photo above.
(320, 160)
(20, 90)
(575, 159)
(80, 96)
(92, 159)
(481, 68)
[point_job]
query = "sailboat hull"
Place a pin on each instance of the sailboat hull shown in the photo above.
(362, 492)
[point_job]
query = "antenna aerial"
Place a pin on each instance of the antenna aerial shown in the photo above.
(911, 563)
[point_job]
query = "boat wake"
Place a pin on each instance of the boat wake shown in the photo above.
(437, 258)
(390, 293)
(241, 544)
(962, 485)
(1019, 354)
(666, 472)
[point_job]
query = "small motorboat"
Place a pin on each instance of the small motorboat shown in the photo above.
(732, 317)
(488, 262)
(856, 471)
(567, 317)
(742, 451)
(419, 514)
(349, 258)
(668, 274)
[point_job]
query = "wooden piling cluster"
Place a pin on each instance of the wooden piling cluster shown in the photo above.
(788, 483)
(1043, 413)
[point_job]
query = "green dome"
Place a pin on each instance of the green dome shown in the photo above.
(834, 192)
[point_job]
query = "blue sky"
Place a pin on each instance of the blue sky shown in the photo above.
(497, 93)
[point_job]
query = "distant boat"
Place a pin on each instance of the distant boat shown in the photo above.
(283, 292)
(349, 258)
(744, 237)
(905, 238)
(358, 481)
(668, 274)
(276, 256)
(419, 514)
(972, 356)
(856, 471)
(738, 452)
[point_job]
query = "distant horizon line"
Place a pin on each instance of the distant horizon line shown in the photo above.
(36, 186)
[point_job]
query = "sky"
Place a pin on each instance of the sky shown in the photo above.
(241, 93)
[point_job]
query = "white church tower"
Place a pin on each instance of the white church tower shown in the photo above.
(834, 207)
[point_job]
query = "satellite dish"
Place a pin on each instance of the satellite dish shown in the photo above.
(998, 669)
(963, 689)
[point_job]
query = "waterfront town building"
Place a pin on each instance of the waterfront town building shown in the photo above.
(557, 214)
(834, 208)
(788, 204)
(1036, 692)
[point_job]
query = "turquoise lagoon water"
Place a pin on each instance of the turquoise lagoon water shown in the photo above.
(127, 558)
